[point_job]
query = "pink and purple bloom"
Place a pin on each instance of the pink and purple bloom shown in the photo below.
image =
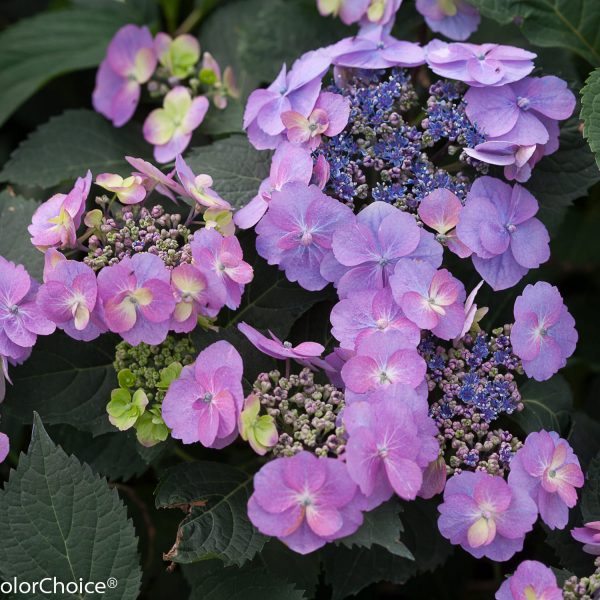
(54, 224)
(456, 19)
(531, 581)
(295, 91)
(374, 48)
(521, 112)
(431, 299)
(4, 446)
(179, 56)
(296, 232)
(21, 320)
(289, 163)
(328, 117)
(485, 515)
(363, 313)
(547, 468)
(154, 179)
(383, 359)
(170, 128)
(304, 501)
(199, 187)
(543, 335)
(137, 298)
(589, 535)
(366, 251)
(221, 260)
(69, 298)
(379, 12)
(129, 190)
(130, 61)
(498, 225)
(204, 403)
(485, 65)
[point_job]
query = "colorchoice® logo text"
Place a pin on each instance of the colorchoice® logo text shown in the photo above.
(51, 585)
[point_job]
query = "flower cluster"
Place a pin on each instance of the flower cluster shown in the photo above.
(174, 73)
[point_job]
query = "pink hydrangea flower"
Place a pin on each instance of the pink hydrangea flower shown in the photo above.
(4, 377)
(441, 210)
(55, 222)
(289, 163)
(137, 298)
(383, 359)
(531, 581)
(434, 478)
(336, 359)
(297, 90)
(543, 335)
(204, 403)
(225, 85)
(374, 48)
(296, 232)
(4, 446)
(199, 187)
(154, 179)
(328, 117)
(485, 515)
(20, 318)
(366, 251)
(479, 65)
(364, 313)
(380, 12)
(304, 501)
(221, 260)
(69, 298)
(179, 56)
(456, 19)
(170, 128)
(129, 190)
(548, 469)
(589, 536)
(497, 223)
(431, 299)
(391, 440)
(472, 313)
(130, 61)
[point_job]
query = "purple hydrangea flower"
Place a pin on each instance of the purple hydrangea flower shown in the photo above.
(129, 190)
(296, 232)
(484, 65)
(55, 222)
(520, 112)
(364, 313)
(391, 441)
(485, 515)
(199, 187)
(4, 446)
(204, 403)
(304, 501)
(383, 359)
(374, 48)
(21, 320)
(366, 251)
(137, 298)
(531, 581)
(431, 299)
(170, 128)
(69, 298)
(297, 90)
(329, 117)
(130, 61)
(221, 260)
(543, 335)
(456, 19)
(289, 163)
(548, 469)
(589, 536)
(380, 12)
(154, 179)
(498, 225)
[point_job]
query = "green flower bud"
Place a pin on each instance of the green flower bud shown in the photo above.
(169, 374)
(150, 428)
(259, 431)
(207, 77)
(126, 378)
(123, 409)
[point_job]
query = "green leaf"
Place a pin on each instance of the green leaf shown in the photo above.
(590, 497)
(236, 167)
(15, 242)
(37, 49)
(224, 122)
(210, 580)
(559, 179)
(68, 145)
(381, 527)
(59, 519)
(590, 112)
(570, 24)
(548, 405)
(584, 438)
(270, 301)
(66, 381)
(215, 496)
